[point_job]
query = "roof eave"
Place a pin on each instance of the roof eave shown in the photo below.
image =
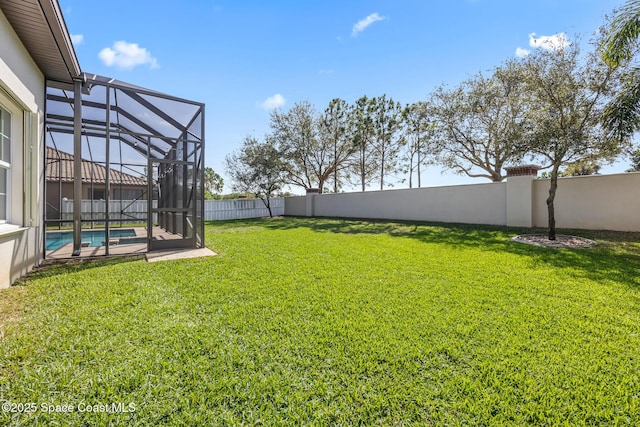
(41, 27)
(60, 33)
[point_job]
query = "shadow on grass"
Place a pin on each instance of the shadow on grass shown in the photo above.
(73, 266)
(599, 263)
(616, 257)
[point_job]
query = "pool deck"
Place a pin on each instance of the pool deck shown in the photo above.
(66, 251)
(173, 254)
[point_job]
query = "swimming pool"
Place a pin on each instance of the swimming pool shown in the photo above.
(57, 239)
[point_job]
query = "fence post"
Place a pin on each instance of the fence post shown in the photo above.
(310, 202)
(520, 195)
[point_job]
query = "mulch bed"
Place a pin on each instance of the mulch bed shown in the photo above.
(562, 241)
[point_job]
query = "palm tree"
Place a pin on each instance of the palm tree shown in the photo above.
(622, 114)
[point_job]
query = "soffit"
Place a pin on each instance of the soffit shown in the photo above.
(40, 26)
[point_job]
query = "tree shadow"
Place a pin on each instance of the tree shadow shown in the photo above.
(606, 261)
(616, 256)
(67, 266)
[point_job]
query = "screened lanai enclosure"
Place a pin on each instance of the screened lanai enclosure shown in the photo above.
(124, 169)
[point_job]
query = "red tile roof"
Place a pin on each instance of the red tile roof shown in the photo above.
(91, 172)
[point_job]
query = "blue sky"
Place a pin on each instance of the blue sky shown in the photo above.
(243, 57)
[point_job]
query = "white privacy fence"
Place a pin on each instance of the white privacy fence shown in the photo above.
(216, 210)
(136, 210)
(95, 210)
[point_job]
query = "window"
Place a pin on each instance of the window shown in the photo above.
(5, 162)
(96, 194)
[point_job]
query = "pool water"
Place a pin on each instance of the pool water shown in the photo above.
(57, 239)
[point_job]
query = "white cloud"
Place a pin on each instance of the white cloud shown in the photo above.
(558, 41)
(77, 39)
(126, 56)
(328, 71)
(364, 23)
(521, 53)
(273, 102)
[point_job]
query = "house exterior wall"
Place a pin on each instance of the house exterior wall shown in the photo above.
(22, 88)
(54, 193)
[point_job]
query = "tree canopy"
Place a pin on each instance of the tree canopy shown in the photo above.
(418, 139)
(557, 106)
(213, 183)
(480, 124)
(635, 161)
(257, 168)
(568, 95)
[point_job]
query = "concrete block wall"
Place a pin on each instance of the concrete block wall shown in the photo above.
(606, 202)
(594, 202)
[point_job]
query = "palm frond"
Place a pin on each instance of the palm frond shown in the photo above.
(622, 115)
(623, 36)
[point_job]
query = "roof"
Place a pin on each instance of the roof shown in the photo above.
(60, 167)
(40, 26)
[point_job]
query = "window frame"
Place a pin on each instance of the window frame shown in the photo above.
(5, 164)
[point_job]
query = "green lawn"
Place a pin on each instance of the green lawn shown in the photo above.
(325, 322)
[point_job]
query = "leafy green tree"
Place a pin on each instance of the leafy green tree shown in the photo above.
(294, 132)
(310, 152)
(386, 120)
(334, 131)
(234, 196)
(257, 168)
(213, 183)
(619, 46)
(480, 125)
(364, 163)
(418, 131)
(635, 161)
(582, 168)
(567, 98)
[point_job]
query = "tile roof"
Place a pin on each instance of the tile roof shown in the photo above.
(89, 170)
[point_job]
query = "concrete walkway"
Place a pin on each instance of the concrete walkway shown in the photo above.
(170, 254)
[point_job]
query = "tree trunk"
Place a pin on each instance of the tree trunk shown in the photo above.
(411, 172)
(362, 170)
(267, 203)
(550, 207)
(335, 168)
(382, 172)
(419, 160)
